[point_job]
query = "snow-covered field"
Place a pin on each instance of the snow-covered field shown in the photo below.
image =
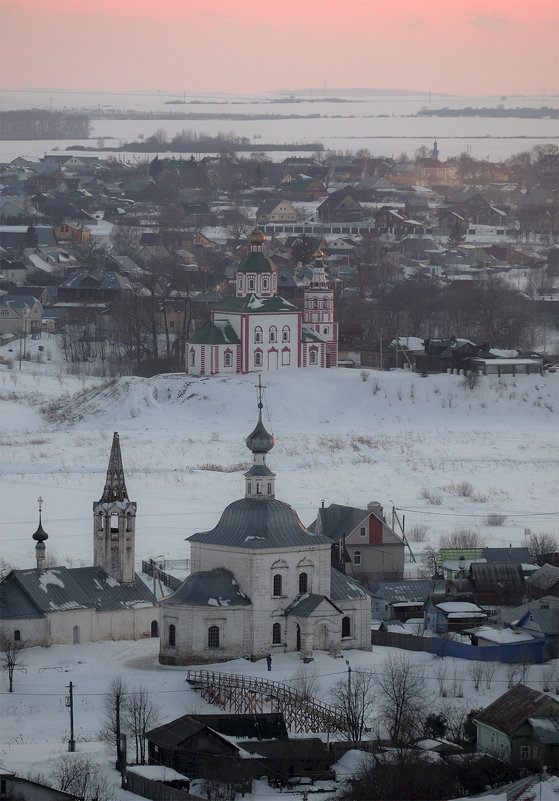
(343, 436)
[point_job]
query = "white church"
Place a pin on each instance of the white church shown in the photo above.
(261, 583)
(259, 330)
(49, 605)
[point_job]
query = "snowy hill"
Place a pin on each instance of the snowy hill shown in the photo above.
(446, 455)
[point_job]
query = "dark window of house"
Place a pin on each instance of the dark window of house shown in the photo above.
(357, 558)
(346, 627)
(172, 635)
(213, 637)
(303, 582)
(276, 634)
(17, 635)
(277, 584)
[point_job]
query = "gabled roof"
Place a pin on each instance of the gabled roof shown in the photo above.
(306, 604)
(337, 521)
(514, 708)
(266, 726)
(35, 593)
(219, 332)
(497, 577)
(412, 591)
(545, 577)
(502, 556)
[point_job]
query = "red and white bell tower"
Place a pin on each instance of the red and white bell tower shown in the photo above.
(318, 312)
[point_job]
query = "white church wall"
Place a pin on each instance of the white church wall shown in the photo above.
(32, 631)
(191, 634)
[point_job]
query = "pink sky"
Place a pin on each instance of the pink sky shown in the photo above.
(475, 47)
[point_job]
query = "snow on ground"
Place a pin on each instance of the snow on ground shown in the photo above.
(344, 436)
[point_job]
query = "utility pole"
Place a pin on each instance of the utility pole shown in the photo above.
(70, 704)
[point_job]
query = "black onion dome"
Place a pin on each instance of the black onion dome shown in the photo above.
(260, 441)
(40, 535)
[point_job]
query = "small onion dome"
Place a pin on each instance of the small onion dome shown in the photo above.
(319, 255)
(260, 441)
(256, 237)
(40, 535)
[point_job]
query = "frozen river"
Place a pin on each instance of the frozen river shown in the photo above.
(382, 124)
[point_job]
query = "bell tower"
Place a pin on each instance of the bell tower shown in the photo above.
(114, 521)
(319, 309)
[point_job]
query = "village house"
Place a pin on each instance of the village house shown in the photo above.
(363, 546)
(276, 210)
(341, 206)
(522, 727)
(20, 314)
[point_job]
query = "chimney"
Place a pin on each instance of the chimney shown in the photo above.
(376, 508)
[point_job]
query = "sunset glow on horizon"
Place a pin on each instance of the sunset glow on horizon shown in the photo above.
(476, 48)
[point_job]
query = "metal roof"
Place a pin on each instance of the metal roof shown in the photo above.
(412, 591)
(343, 588)
(513, 708)
(305, 605)
(209, 588)
(337, 521)
(546, 729)
(34, 593)
(257, 523)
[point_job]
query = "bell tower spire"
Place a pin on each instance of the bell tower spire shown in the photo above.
(114, 521)
(260, 480)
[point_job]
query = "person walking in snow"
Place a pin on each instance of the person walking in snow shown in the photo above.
(269, 661)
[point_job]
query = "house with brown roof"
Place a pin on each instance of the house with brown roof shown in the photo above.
(522, 726)
(341, 206)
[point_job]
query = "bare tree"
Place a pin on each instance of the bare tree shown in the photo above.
(354, 699)
(306, 682)
(140, 714)
(401, 689)
(461, 538)
(541, 545)
(81, 777)
(11, 656)
(113, 704)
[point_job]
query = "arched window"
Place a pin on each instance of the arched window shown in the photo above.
(285, 333)
(17, 635)
(346, 627)
(258, 359)
(154, 628)
(227, 360)
(357, 558)
(172, 635)
(273, 334)
(277, 585)
(258, 334)
(192, 358)
(213, 637)
(312, 357)
(276, 634)
(264, 283)
(303, 582)
(251, 283)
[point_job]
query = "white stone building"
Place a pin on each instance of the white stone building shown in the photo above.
(48, 605)
(261, 582)
(259, 330)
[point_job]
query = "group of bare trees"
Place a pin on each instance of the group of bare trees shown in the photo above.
(128, 711)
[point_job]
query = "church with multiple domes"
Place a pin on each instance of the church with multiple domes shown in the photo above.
(257, 329)
(261, 583)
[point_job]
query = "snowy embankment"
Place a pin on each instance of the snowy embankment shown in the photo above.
(447, 456)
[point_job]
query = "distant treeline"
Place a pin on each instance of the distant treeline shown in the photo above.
(190, 141)
(39, 124)
(528, 113)
(195, 115)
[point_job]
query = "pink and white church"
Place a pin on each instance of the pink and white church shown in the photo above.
(259, 330)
